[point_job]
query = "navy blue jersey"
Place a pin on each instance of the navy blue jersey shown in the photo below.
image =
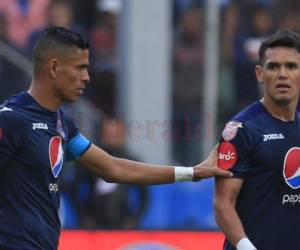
(34, 143)
(265, 153)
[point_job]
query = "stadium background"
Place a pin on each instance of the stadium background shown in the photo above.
(166, 75)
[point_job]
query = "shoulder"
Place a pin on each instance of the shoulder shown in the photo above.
(250, 113)
(65, 117)
(9, 115)
(12, 111)
(11, 123)
(243, 121)
(67, 123)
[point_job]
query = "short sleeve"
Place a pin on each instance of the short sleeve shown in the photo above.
(9, 137)
(77, 144)
(234, 152)
(72, 129)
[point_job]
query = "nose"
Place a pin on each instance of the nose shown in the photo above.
(86, 77)
(282, 72)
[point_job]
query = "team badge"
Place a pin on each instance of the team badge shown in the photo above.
(230, 130)
(59, 129)
(227, 155)
(56, 155)
(291, 168)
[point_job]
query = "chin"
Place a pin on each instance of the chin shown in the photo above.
(283, 101)
(71, 98)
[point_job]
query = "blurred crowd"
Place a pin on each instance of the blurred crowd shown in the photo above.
(244, 23)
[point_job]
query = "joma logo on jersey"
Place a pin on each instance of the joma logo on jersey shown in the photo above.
(39, 125)
(273, 137)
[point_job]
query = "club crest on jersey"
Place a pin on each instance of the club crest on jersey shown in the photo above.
(56, 155)
(291, 168)
(59, 129)
(230, 130)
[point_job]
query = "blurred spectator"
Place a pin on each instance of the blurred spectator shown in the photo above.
(181, 6)
(22, 17)
(227, 96)
(59, 13)
(102, 205)
(187, 87)
(12, 78)
(104, 66)
(112, 206)
(246, 44)
(229, 25)
(85, 12)
(289, 20)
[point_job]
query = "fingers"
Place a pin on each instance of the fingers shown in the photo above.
(223, 173)
(209, 171)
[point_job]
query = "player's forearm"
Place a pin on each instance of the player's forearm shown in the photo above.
(142, 173)
(229, 221)
(113, 169)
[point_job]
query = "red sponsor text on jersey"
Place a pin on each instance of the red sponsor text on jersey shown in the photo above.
(227, 155)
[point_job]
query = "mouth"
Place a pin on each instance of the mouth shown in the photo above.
(283, 86)
(80, 91)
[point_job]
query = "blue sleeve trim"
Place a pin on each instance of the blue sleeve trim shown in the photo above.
(77, 146)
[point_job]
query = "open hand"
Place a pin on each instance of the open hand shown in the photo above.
(209, 168)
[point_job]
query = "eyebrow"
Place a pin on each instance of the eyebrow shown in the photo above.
(285, 62)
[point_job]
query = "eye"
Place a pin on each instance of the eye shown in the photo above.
(292, 66)
(272, 66)
(82, 67)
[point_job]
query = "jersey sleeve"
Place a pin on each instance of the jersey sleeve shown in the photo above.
(234, 152)
(77, 143)
(9, 138)
(77, 146)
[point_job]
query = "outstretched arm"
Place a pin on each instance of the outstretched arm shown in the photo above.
(113, 169)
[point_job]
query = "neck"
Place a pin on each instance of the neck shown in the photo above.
(284, 112)
(44, 96)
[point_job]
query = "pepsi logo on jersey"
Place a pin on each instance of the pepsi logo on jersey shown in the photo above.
(56, 155)
(291, 168)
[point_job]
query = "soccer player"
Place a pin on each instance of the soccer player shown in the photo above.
(37, 137)
(259, 207)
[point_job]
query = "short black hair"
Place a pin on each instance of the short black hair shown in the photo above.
(283, 38)
(57, 40)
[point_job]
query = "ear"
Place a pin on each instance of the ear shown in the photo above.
(53, 66)
(259, 73)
